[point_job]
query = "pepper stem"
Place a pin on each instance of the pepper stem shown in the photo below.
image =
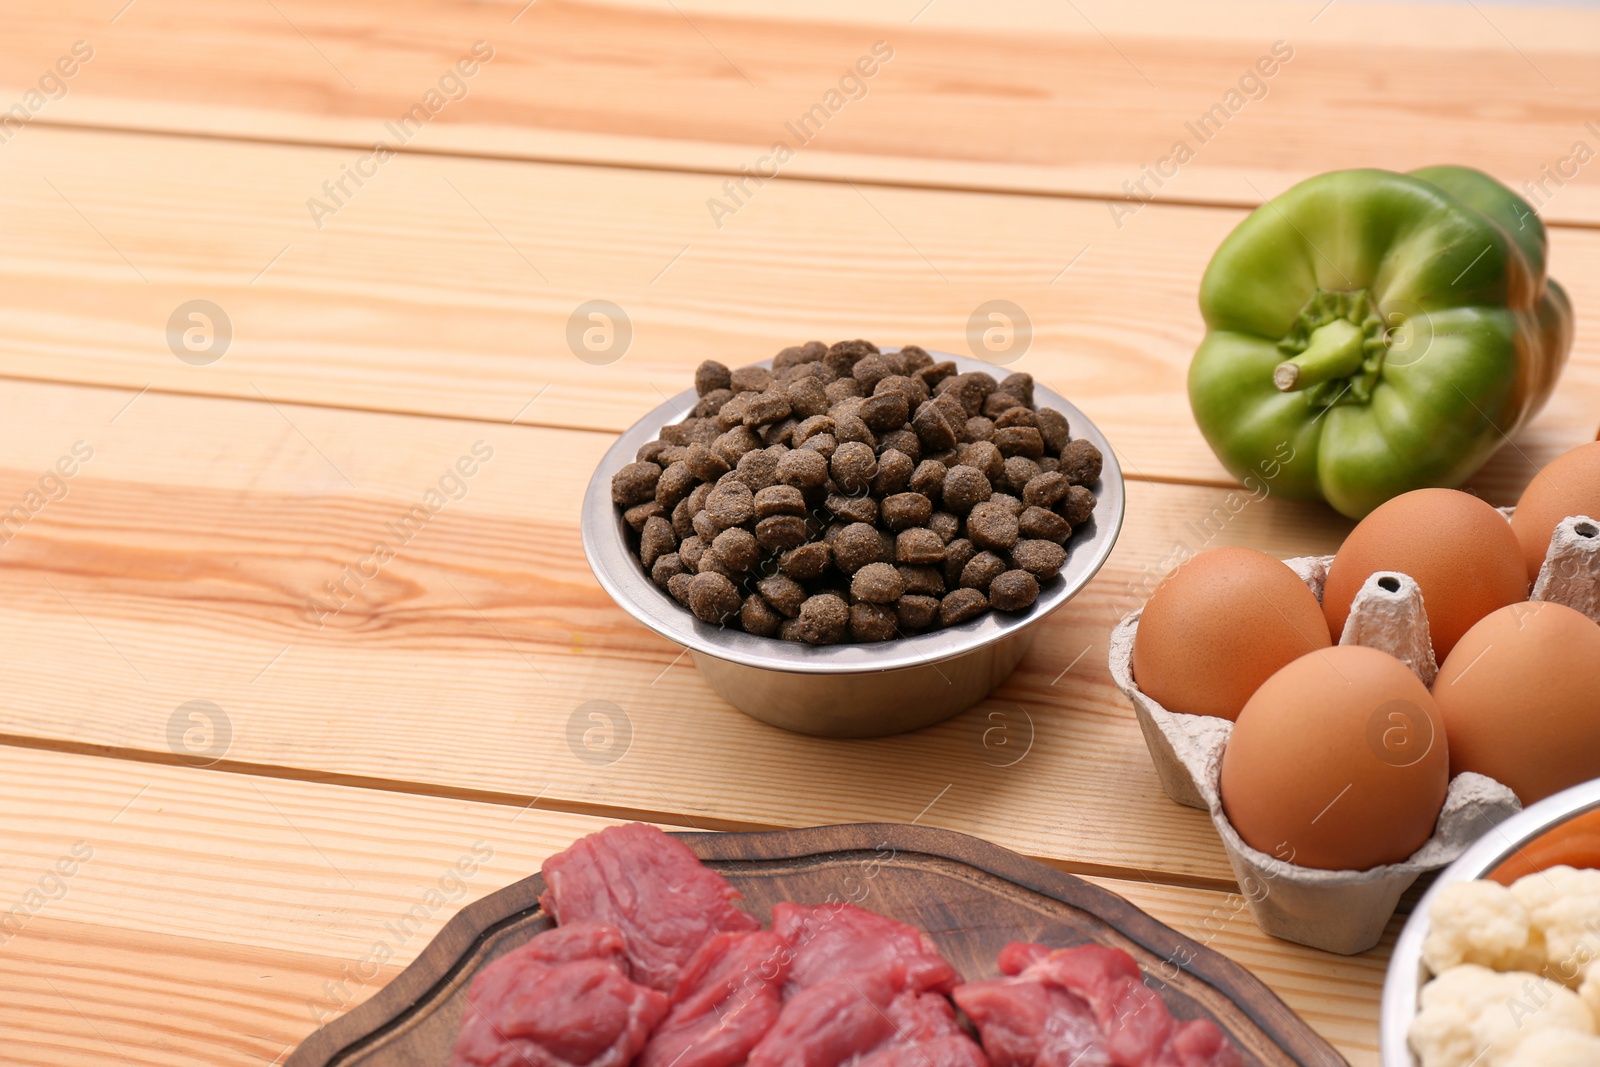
(1335, 350)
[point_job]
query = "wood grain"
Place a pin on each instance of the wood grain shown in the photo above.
(181, 563)
(212, 914)
(447, 287)
(1020, 96)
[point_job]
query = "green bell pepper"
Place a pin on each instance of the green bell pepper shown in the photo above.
(1370, 333)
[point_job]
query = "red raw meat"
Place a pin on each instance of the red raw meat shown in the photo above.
(1132, 1022)
(562, 1000)
(867, 1019)
(728, 998)
(830, 940)
(1028, 1023)
(649, 886)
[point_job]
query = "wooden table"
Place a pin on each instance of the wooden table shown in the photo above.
(259, 770)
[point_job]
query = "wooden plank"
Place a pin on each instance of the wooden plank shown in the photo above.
(450, 287)
(180, 564)
(1027, 95)
(212, 916)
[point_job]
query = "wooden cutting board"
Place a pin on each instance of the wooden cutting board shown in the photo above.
(970, 896)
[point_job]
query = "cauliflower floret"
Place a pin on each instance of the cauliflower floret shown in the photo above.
(1564, 905)
(1472, 1015)
(1481, 922)
(1589, 992)
(1557, 1048)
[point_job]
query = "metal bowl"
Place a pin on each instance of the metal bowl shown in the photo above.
(851, 690)
(1407, 973)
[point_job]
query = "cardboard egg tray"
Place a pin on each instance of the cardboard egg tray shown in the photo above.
(1346, 911)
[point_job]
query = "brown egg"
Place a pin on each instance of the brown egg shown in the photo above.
(1461, 552)
(1219, 626)
(1569, 485)
(1338, 762)
(1520, 696)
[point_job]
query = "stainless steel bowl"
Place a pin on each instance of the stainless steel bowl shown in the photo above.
(865, 690)
(1407, 973)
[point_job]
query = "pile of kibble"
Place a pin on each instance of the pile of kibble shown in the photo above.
(850, 494)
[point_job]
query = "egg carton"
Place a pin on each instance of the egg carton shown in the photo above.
(1347, 911)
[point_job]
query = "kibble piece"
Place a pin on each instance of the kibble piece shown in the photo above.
(928, 479)
(667, 567)
(1013, 591)
(919, 545)
(946, 525)
(656, 540)
(1018, 472)
(674, 484)
(690, 550)
(1081, 462)
(870, 370)
(904, 441)
(807, 397)
(842, 389)
(978, 428)
(872, 622)
(984, 456)
(957, 554)
(980, 570)
(639, 514)
(634, 484)
(1041, 558)
(848, 426)
(1043, 524)
(735, 443)
(844, 355)
(779, 500)
(915, 358)
(998, 403)
(1077, 505)
(905, 510)
(964, 488)
(992, 526)
(887, 542)
(934, 373)
(783, 593)
(916, 612)
(704, 464)
(855, 546)
(1019, 441)
(759, 468)
(823, 619)
(961, 605)
(894, 473)
(731, 504)
(1053, 426)
(705, 527)
(922, 580)
(854, 466)
(1017, 416)
(778, 433)
(1049, 463)
(710, 405)
(806, 562)
(810, 427)
(1010, 503)
(933, 427)
(877, 583)
(731, 413)
(779, 533)
(757, 617)
(1019, 385)
(768, 407)
(678, 585)
(887, 411)
(711, 375)
(754, 379)
(736, 549)
(802, 468)
(1045, 490)
(852, 508)
(913, 390)
(713, 598)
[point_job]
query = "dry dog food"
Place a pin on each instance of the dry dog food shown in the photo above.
(851, 494)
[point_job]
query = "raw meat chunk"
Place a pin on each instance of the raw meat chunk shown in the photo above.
(728, 998)
(562, 1000)
(649, 886)
(830, 940)
(1027, 1023)
(866, 1019)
